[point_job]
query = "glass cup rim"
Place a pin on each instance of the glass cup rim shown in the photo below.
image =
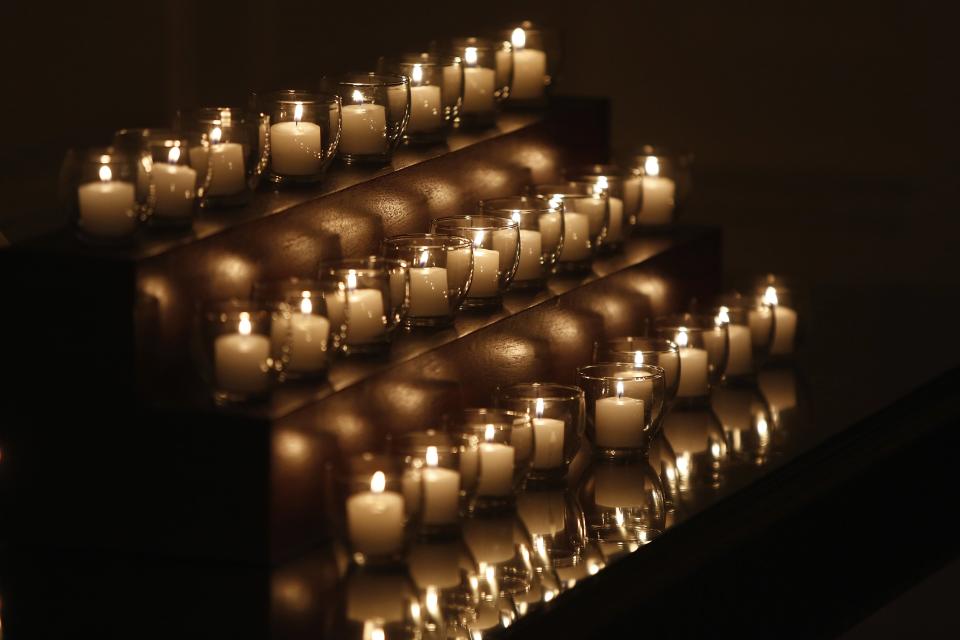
(403, 443)
(417, 57)
(573, 392)
(584, 172)
(476, 42)
(96, 154)
(490, 410)
(487, 222)
(372, 79)
(423, 241)
(528, 26)
(240, 113)
(654, 371)
(688, 321)
(234, 304)
(291, 284)
(309, 96)
(669, 345)
(538, 199)
(360, 266)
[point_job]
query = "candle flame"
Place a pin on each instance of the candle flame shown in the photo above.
(352, 280)
(515, 216)
(619, 388)
(470, 55)
(770, 296)
(378, 482)
(683, 464)
(618, 516)
(298, 112)
(556, 201)
(372, 630)
(682, 338)
(432, 457)
(539, 409)
(715, 450)
(417, 74)
(478, 239)
(763, 429)
(638, 358)
(652, 166)
(244, 327)
(424, 257)
(357, 96)
(216, 134)
(723, 317)
(432, 600)
(489, 433)
(519, 38)
(601, 185)
(105, 173)
(306, 305)
(173, 156)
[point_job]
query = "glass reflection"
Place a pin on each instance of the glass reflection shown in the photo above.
(380, 605)
(700, 447)
(746, 424)
(664, 462)
(779, 389)
(444, 576)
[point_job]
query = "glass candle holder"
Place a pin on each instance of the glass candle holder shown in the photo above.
(554, 520)
(703, 346)
(623, 505)
(238, 151)
(558, 423)
(747, 423)
(429, 107)
(236, 350)
(303, 338)
(446, 579)
(136, 143)
(657, 171)
(536, 55)
(774, 295)
(740, 368)
(496, 451)
(375, 110)
(451, 67)
(585, 218)
(700, 447)
(430, 462)
(501, 550)
(372, 301)
(496, 254)
(441, 268)
(484, 85)
(611, 178)
(180, 177)
(641, 350)
(624, 403)
(106, 207)
(304, 134)
(375, 603)
(374, 509)
(541, 235)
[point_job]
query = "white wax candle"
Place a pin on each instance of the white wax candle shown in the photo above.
(240, 360)
(529, 70)
(740, 356)
(594, 208)
(505, 243)
(176, 188)
(693, 373)
(784, 330)
(426, 110)
(227, 169)
(521, 438)
(531, 255)
(363, 129)
(479, 85)
(397, 99)
(441, 496)
(458, 266)
(714, 340)
(429, 292)
(452, 84)
(615, 228)
(548, 443)
(670, 363)
(632, 193)
(486, 265)
(543, 512)
(658, 195)
(619, 421)
(366, 322)
(305, 336)
(375, 519)
(550, 230)
(107, 208)
(296, 148)
(496, 469)
(760, 322)
(576, 237)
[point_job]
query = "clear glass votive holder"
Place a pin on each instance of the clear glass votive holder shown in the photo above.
(501, 550)
(623, 505)
(375, 109)
(657, 172)
(430, 463)
(610, 178)
(304, 134)
(106, 207)
(739, 369)
(554, 520)
(373, 300)
(700, 447)
(428, 104)
(446, 579)
(642, 350)
(136, 143)
(496, 254)
(747, 423)
(541, 235)
(774, 295)
(374, 509)
(558, 422)
(180, 176)
(236, 350)
(484, 86)
(451, 67)
(303, 339)
(586, 214)
(703, 345)
(441, 269)
(496, 451)
(536, 56)
(624, 403)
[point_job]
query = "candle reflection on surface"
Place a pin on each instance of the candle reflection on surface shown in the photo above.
(743, 415)
(698, 441)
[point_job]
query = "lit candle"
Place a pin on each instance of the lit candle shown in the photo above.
(619, 421)
(531, 256)
(548, 440)
(227, 170)
(375, 518)
(452, 84)
(296, 147)
(107, 206)
(496, 466)
(594, 208)
(366, 321)
(740, 353)
(693, 368)
(576, 237)
(632, 194)
(363, 127)
(240, 359)
(486, 268)
(529, 68)
(550, 230)
(479, 85)
(176, 187)
(784, 324)
(615, 223)
(304, 335)
(760, 321)
(658, 195)
(441, 491)
(428, 290)
(426, 111)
